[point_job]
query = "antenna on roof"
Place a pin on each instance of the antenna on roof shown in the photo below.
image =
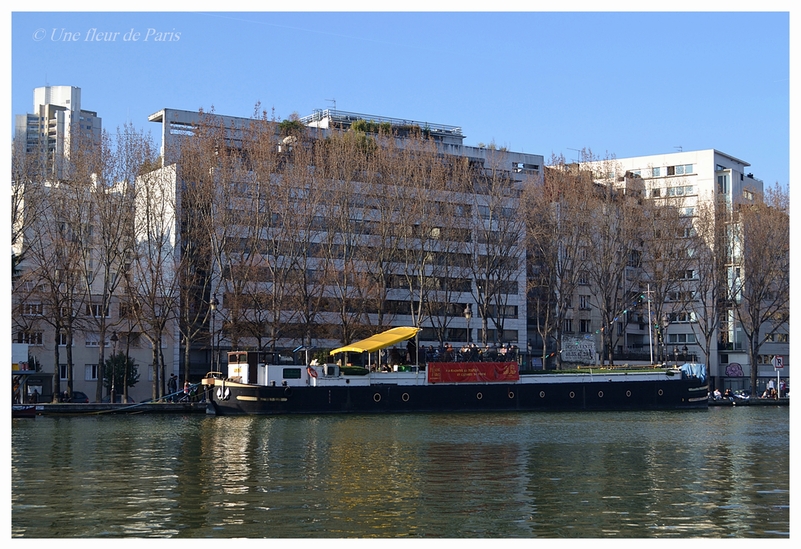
(578, 156)
(334, 101)
(679, 147)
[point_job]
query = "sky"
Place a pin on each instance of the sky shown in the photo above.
(616, 83)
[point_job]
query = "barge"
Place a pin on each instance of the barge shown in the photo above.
(255, 385)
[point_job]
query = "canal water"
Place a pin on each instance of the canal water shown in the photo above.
(711, 474)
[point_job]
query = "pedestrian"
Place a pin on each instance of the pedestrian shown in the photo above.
(172, 387)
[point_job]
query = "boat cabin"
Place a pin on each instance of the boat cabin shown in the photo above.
(266, 368)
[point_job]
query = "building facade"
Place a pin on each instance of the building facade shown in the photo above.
(463, 310)
(693, 180)
(68, 307)
(56, 123)
(458, 266)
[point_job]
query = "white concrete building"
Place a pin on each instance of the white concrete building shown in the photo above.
(698, 177)
(178, 124)
(56, 122)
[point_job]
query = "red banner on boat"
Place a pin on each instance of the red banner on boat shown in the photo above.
(472, 372)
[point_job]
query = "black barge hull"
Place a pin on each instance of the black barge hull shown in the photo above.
(230, 398)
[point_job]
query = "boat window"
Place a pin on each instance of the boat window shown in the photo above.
(291, 373)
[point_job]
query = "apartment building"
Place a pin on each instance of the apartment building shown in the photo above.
(464, 312)
(689, 180)
(56, 123)
(461, 310)
(66, 291)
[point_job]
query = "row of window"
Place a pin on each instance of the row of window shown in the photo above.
(659, 171)
(37, 309)
(585, 327)
(89, 372)
(90, 339)
(681, 190)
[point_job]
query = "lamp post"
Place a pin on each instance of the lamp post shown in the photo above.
(213, 306)
(530, 349)
(114, 339)
(468, 313)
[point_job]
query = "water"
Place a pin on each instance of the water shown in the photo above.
(718, 473)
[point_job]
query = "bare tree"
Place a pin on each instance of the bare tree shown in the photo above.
(668, 259)
(107, 235)
(27, 185)
(616, 248)
(349, 288)
(201, 165)
(558, 229)
(307, 224)
(152, 279)
(710, 246)
(498, 249)
(760, 275)
(261, 264)
(51, 277)
(421, 224)
(382, 205)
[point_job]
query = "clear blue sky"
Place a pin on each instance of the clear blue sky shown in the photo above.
(623, 84)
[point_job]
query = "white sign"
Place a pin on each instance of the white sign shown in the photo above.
(578, 350)
(778, 362)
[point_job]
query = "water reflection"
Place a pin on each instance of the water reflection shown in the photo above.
(709, 474)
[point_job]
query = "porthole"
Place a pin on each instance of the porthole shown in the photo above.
(479, 396)
(377, 397)
(542, 394)
(600, 394)
(659, 392)
(405, 397)
(628, 393)
(572, 394)
(511, 394)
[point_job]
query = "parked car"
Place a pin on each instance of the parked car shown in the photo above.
(118, 399)
(78, 396)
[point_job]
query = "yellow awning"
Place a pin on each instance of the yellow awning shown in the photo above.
(379, 341)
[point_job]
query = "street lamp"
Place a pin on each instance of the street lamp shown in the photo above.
(530, 349)
(114, 339)
(213, 306)
(468, 313)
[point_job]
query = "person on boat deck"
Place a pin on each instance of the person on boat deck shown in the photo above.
(448, 352)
